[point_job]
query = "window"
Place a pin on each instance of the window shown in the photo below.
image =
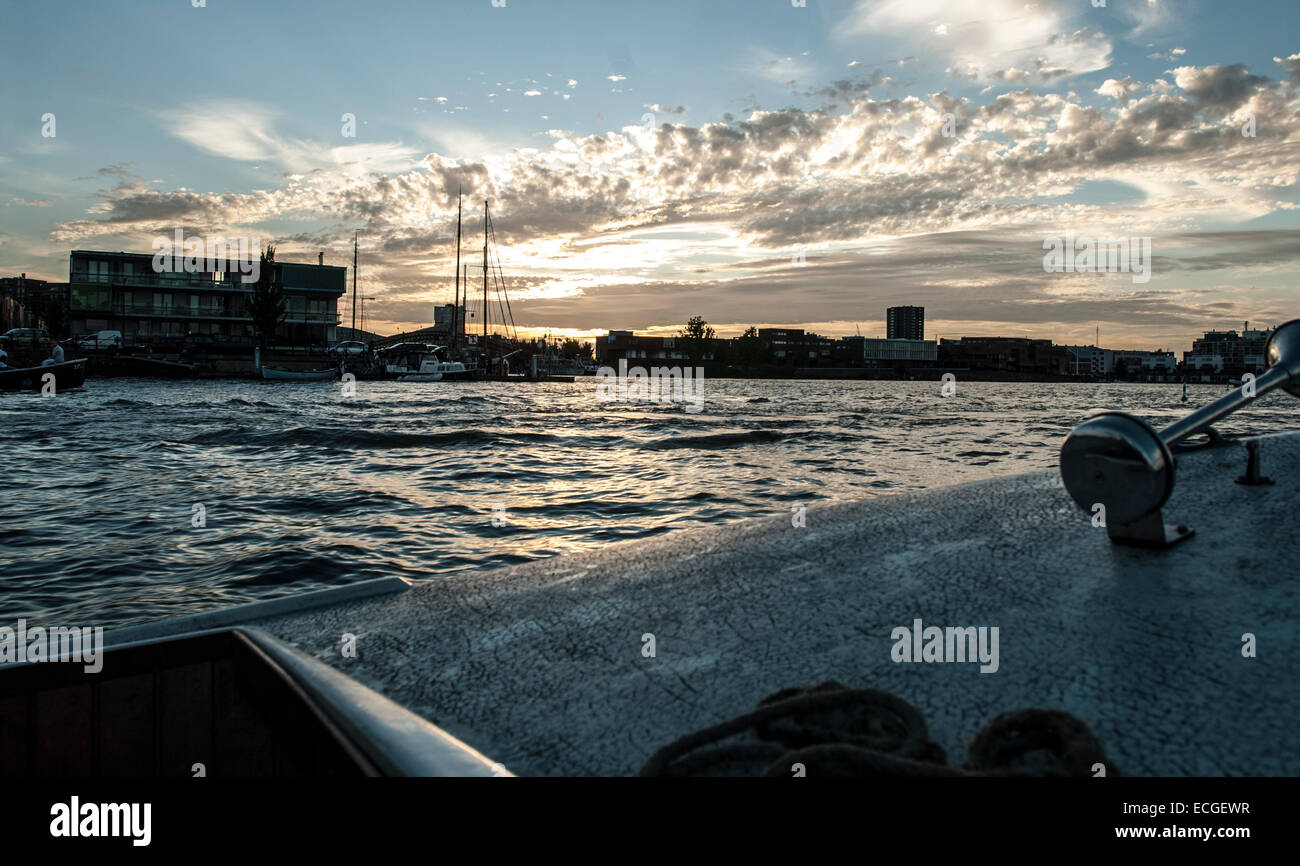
(89, 299)
(98, 272)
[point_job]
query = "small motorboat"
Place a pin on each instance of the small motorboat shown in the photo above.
(432, 370)
(69, 374)
(298, 375)
(412, 362)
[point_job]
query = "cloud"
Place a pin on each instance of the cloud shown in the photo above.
(783, 70)
(624, 225)
(244, 131)
(994, 40)
(1223, 87)
(1290, 66)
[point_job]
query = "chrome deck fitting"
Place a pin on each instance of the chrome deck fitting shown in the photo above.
(1120, 462)
(1252, 476)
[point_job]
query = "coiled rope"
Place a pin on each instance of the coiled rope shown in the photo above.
(833, 730)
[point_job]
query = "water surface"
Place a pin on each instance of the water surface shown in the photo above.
(302, 488)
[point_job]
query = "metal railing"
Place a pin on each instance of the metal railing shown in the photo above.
(184, 312)
(1120, 463)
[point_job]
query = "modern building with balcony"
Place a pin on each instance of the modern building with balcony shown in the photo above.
(122, 292)
(1228, 351)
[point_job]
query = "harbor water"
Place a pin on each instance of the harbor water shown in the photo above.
(136, 499)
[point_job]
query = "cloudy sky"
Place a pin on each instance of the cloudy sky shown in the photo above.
(752, 162)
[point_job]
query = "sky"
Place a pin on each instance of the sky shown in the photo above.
(755, 163)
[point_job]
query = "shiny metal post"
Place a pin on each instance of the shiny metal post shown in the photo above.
(1120, 462)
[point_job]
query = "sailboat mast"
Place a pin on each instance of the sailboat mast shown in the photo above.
(354, 284)
(455, 307)
(485, 270)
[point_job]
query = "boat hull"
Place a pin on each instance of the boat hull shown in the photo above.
(297, 375)
(155, 368)
(69, 374)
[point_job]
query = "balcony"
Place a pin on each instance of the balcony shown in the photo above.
(168, 280)
(179, 311)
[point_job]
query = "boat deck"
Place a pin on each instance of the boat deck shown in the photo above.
(540, 666)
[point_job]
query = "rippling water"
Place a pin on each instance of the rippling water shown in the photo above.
(303, 489)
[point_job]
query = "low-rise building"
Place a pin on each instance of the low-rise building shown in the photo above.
(797, 347)
(625, 344)
(1008, 354)
(121, 291)
(884, 352)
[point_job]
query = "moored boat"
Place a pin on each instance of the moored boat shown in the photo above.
(297, 375)
(69, 374)
(416, 362)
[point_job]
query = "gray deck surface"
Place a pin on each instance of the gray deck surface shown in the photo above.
(539, 666)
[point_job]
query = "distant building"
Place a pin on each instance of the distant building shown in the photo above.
(1009, 354)
(26, 302)
(654, 350)
(797, 347)
(1136, 361)
(445, 315)
(1094, 361)
(122, 292)
(1220, 351)
(905, 323)
(1086, 360)
(15, 303)
(877, 352)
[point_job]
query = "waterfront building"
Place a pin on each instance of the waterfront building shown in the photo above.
(617, 345)
(122, 292)
(877, 352)
(1086, 360)
(798, 347)
(905, 323)
(1008, 354)
(1220, 351)
(26, 302)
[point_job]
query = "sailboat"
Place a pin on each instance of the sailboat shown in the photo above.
(415, 362)
(429, 363)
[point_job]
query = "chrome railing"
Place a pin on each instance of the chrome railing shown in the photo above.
(1117, 465)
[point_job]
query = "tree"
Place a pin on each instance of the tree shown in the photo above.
(267, 306)
(749, 349)
(696, 336)
(575, 349)
(55, 319)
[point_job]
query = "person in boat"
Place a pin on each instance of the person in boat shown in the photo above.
(56, 355)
